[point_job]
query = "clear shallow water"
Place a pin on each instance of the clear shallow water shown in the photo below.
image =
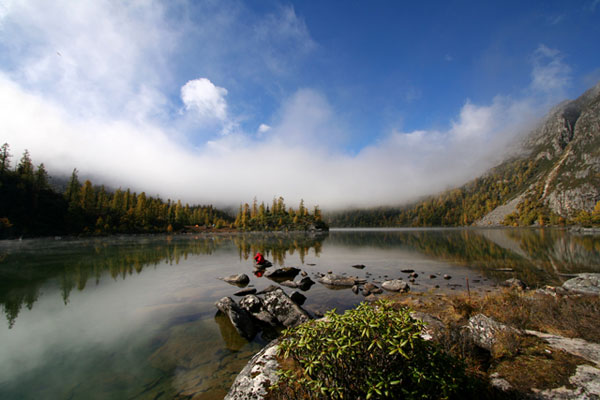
(134, 317)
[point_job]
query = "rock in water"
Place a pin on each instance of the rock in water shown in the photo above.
(285, 272)
(239, 279)
(358, 266)
(240, 318)
(255, 306)
(337, 280)
(396, 285)
(584, 283)
(290, 284)
(287, 312)
(305, 283)
(298, 298)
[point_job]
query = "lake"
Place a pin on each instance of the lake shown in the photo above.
(134, 317)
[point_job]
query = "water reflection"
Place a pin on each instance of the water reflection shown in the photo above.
(73, 264)
(135, 317)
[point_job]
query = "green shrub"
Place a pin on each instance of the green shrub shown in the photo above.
(372, 351)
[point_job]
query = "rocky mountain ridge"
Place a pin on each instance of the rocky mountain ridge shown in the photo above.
(565, 148)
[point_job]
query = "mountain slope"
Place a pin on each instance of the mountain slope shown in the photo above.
(552, 178)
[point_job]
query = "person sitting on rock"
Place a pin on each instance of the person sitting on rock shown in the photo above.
(261, 260)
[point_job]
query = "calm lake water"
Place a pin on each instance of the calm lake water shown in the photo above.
(134, 317)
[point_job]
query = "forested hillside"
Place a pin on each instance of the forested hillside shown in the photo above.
(30, 207)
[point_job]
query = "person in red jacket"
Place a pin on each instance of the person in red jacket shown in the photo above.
(260, 259)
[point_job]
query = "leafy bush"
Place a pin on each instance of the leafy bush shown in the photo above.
(368, 352)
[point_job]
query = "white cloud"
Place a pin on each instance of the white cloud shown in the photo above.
(108, 106)
(263, 128)
(550, 74)
(204, 98)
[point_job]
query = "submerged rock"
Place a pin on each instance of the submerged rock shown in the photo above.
(396, 285)
(290, 284)
(245, 292)
(298, 298)
(588, 283)
(240, 318)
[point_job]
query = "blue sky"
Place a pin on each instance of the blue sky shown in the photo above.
(341, 103)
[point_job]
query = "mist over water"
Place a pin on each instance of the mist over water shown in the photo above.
(134, 316)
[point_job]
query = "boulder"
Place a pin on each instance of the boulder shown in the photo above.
(484, 331)
(254, 305)
(257, 376)
(305, 283)
(446, 276)
(290, 284)
(287, 312)
(407, 271)
(514, 283)
(298, 298)
(240, 318)
(284, 273)
(337, 280)
(372, 288)
(396, 285)
(588, 283)
(358, 266)
(239, 279)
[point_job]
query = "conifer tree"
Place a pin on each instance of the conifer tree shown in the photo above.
(25, 167)
(5, 158)
(41, 177)
(73, 188)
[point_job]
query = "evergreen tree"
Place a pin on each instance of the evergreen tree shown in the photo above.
(5, 158)
(25, 167)
(41, 177)
(73, 188)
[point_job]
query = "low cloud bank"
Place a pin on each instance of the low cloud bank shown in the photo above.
(108, 105)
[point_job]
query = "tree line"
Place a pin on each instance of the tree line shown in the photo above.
(278, 217)
(30, 206)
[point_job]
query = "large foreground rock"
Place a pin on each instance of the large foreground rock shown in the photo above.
(584, 283)
(585, 382)
(255, 306)
(240, 318)
(287, 312)
(257, 376)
